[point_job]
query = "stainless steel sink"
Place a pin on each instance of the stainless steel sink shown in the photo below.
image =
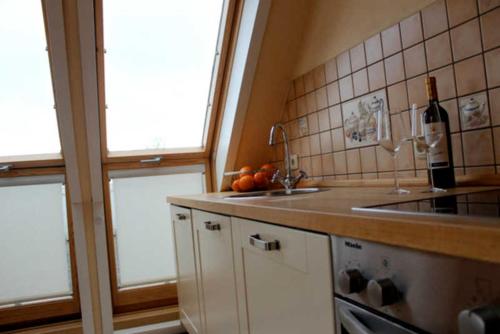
(278, 192)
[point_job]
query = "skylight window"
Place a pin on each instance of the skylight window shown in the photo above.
(158, 70)
(28, 123)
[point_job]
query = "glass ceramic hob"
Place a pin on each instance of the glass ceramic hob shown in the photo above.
(479, 204)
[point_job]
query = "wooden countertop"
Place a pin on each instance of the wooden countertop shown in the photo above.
(330, 212)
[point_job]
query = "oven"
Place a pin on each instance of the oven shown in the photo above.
(382, 289)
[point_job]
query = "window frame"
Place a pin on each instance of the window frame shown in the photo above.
(134, 299)
(49, 311)
(217, 83)
(148, 296)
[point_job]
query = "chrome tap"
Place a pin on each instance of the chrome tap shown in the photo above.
(288, 181)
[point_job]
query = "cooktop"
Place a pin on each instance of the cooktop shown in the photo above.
(480, 204)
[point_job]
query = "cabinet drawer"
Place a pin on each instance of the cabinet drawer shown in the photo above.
(292, 250)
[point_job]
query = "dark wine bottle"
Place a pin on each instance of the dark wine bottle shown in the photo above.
(440, 162)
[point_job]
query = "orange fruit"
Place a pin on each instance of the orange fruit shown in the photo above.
(246, 170)
(236, 185)
(246, 183)
(260, 179)
(268, 169)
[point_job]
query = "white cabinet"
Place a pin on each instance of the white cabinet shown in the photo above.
(214, 252)
(237, 276)
(285, 290)
(187, 282)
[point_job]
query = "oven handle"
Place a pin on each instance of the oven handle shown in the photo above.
(353, 325)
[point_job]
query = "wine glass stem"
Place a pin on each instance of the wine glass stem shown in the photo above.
(396, 177)
(430, 170)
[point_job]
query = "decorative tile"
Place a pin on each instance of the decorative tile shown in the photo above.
(494, 97)
(321, 99)
(398, 97)
(478, 147)
(292, 109)
(376, 76)
(295, 146)
(338, 139)
(394, 68)
(474, 111)
(445, 82)
(411, 30)
(373, 48)
(486, 5)
(358, 60)
(416, 91)
(460, 11)
(489, 28)
(319, 76)
(369, 176)
(353, 161)
(415, 61)
(343, 64)
(391, 40)
(466, 40)
(305, 164)
(302, 127)
(438, 51)
(492, 60)
(480, 170)
(324, 120)
(360, 82)
(346, 89)
(469, 75)
(335, 116)
(312, 121)
(333, 94)
(339, 162)
(385, 161)
(360, 120)
(326, 142)
(354, 176)
(331, 70)
(309, 81)
(434, 19)
(368, 159)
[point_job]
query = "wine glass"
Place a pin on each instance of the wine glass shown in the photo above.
(426, 142)
(391, 139)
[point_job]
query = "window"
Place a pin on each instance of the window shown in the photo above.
(158, 69)
(38, 282)
(160, 72)
(28, 119)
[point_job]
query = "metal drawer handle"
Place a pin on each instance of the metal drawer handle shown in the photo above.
(181, 216)
(212, 226)
(256, 241)
(5, 168)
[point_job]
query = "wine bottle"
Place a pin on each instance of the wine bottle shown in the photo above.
(440, 162)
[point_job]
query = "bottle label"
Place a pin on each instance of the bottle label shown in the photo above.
(438, 155)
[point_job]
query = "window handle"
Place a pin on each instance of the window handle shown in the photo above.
(152, 160)
(5, 168)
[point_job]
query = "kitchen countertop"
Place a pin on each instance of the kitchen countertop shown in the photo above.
(330, 212)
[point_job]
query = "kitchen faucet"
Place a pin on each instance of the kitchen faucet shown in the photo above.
(288, 181)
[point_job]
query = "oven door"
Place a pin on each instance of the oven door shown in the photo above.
(352, 319)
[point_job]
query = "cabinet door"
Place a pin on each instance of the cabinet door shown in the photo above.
(214, 247)
(187, 284)
(287, 290)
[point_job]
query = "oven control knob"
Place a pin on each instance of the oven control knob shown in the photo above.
(382, 292)
(481, 320)
(351, 281)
